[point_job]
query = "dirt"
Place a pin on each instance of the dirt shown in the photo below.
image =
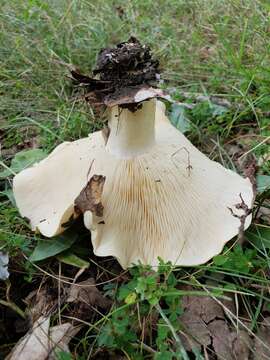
(120, 72)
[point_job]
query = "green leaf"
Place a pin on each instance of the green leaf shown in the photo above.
(69, 258)
(178, 118)
(22, 160)
(63, 355)
(220, 260)
(164, 355)
(263, 183)
(56, 245)
(163, 331)
(131, 298)
(218, 110)
(259, 236)
(106, 338)
(9, 194)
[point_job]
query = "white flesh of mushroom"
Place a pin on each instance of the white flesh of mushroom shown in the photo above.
(45, 193)
(162, 197)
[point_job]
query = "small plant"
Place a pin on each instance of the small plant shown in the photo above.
(239, 260)
(147, 310)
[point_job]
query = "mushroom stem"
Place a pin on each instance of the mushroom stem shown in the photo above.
(132, 133)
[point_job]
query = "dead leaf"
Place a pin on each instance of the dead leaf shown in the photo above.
(42, 343)
(241, 345)
(60, 337)
(206, 52)
(90, 196)
(86, 293)
(35, 344)
(262, 352)
(198, 312)
(41, 303)
(264, 212)
(205, 324)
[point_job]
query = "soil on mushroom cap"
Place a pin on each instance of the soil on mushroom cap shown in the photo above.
(121, 71)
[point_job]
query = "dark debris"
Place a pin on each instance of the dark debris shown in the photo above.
(121, 71)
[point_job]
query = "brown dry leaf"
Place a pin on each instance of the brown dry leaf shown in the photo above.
(198, 312)
(264, 212)
(42, 343)
(41, 303)
(205, 325)
(241, 345)
(86, 293)
(262, 352)
(60, 337)
(206, 52)
(90, 196)
(35, 344)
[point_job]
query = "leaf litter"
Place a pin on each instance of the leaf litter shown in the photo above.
(42, 305)
(43, 342)
(206, 326)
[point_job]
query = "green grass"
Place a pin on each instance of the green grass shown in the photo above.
(207, 47)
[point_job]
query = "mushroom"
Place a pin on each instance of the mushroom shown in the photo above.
(144, 190)
(162, 197)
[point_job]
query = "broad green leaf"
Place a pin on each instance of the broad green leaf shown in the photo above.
(22, 160)
(178, 118)
(69, 258)
(263, 183)
(56, 245)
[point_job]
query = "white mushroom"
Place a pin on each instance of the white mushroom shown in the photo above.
(45, 192)
(162, 197)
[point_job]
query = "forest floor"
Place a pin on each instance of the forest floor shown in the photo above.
(215, 63)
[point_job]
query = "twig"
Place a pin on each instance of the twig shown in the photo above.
(189, 167)
(14, 307)
(242, 218)
(143, 346)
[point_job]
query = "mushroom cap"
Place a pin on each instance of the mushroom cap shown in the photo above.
(45, 192)
(169, 201)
